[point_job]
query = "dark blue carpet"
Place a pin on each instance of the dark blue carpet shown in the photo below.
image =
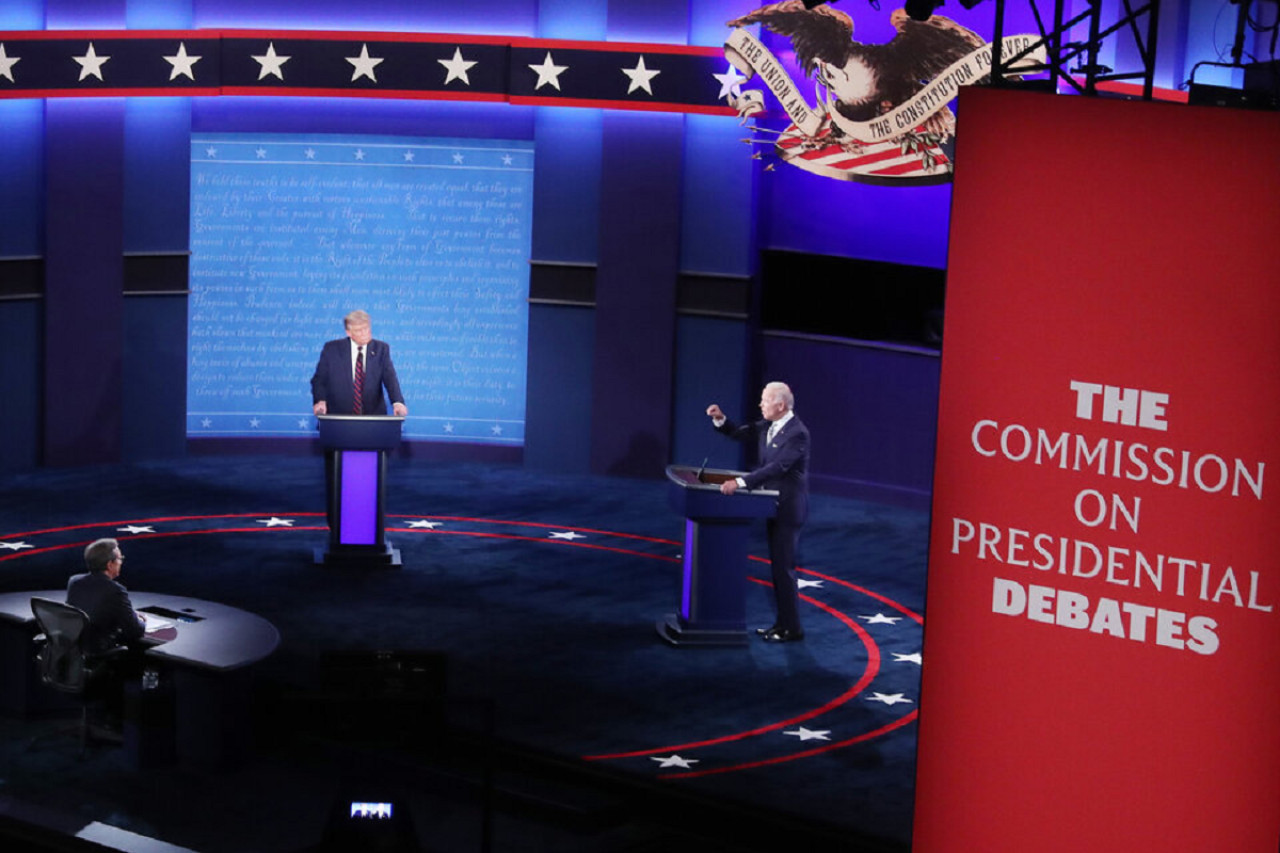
(553, 634)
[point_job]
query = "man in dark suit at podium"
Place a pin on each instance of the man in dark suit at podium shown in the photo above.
(356, 362)
(783, 465)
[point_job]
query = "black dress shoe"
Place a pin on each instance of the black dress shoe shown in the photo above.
(769, 630)
(782, 635)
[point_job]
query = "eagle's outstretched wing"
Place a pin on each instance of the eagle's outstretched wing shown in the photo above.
(923, 49)
(817, 34)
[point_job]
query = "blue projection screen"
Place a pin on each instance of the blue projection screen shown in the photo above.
(430, 236)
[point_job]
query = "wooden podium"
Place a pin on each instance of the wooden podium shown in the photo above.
(357, 447)
(713, 586)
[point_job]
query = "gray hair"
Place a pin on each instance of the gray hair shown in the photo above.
(97, 554)
(781, 391)
(356, 318)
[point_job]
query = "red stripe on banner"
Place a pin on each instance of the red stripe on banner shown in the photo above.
(653, 106)
(340, 35)
(295, 91)
(617, 46)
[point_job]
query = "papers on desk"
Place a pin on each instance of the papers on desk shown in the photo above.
(158, 623)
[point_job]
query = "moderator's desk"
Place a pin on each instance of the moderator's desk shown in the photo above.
(205, 655)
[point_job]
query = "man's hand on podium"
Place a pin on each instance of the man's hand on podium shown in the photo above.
(400, 409)
(729, 486)
(320, 408)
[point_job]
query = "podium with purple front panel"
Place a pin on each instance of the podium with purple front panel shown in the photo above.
(714, 579)
(357, 446)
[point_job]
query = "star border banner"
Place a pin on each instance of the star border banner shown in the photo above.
(435, 66)
(1102, 640)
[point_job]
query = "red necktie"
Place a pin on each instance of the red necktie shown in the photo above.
(358, 388)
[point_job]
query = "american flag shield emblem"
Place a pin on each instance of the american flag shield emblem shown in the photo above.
(910, 160)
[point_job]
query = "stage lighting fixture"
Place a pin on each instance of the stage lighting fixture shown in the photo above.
(920, 10)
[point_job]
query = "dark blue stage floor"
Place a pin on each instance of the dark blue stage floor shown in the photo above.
(540, 593)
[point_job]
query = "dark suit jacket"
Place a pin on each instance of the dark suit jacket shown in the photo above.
(332, 379)
(111, 617)
(783, 465)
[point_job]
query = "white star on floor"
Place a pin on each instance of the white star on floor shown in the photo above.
(271, 63)
(810, 734)
(801, 583)
(548, 73)
(640, 77)
(137, 528)
(183, 65)
(729, 82)
(567, 534)
(15, 546)
(90, 63)
(881, 619)
(914, 658)
(888, 698)
(457, 67)
(674, 761)
(364, 64)
(6, 64)
(426, 525)
(276, 522)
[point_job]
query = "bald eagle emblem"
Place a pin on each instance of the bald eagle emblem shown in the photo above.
(882, 113)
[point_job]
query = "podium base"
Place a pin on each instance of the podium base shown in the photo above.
(671, 630)
(358, 557)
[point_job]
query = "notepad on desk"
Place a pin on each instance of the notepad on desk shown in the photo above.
(158, 623)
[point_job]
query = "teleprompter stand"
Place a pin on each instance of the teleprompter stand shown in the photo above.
(358, 445)
(713, 590)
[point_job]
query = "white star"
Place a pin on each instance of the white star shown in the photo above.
(271, 63)
(548, 73)
(457, 67)
(801, 583)
(810, 734)
(674, 761)
(457, 157)
(426, 525)
(206, 422)
(15, 546)
(496, 429)
(568, 534)
(90, 63)
(913, 658)
(310, 153)
(640, 77)
(276, 522)
(448, 427)
(408, 156)
(364, 64)
(137, 528)
(6, 64)
(302, 423)
(182, 64)
(211, 151)
(881, 619)
(359, 153)
(254, 423)
(262, 153)
(507, 160)
(888, 698)
(729, 82)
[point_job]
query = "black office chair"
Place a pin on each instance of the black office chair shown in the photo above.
(65, 666)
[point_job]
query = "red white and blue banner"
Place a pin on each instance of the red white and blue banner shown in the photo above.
(677, 78)
(1102, 644)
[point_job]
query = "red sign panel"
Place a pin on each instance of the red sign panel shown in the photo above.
(1102, 627)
